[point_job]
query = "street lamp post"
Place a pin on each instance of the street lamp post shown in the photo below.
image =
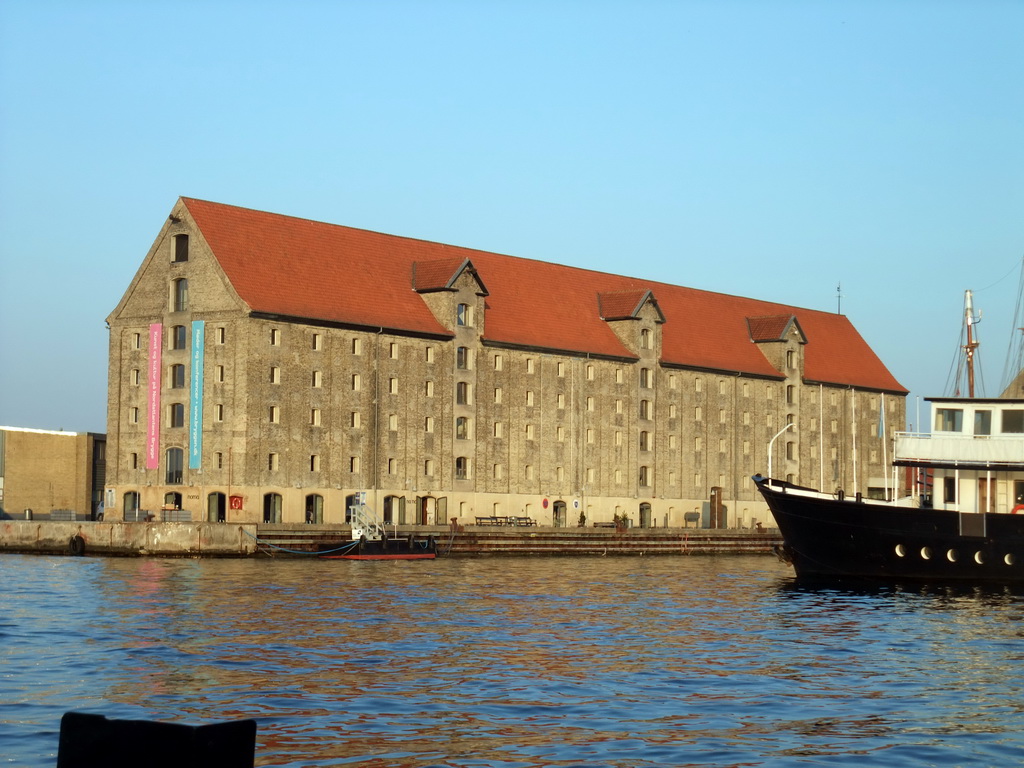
(771, 445)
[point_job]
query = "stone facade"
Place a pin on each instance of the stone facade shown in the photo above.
(300, 415)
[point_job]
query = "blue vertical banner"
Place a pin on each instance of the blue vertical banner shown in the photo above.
(195, 419)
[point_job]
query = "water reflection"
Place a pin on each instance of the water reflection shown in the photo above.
(604, 661)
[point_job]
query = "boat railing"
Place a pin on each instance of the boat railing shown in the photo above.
(366, 522)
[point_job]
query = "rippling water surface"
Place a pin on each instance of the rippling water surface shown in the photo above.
(717, 661)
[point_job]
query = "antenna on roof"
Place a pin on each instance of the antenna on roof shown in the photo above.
(839, 298)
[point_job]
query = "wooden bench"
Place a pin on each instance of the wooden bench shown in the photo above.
(604, 525)
(524, 521)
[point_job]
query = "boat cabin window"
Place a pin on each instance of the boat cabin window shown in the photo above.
(983, 422)
(949, 420)
(1013, 421)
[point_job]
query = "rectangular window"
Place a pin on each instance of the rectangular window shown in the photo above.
(949, 489)
(275, 375)
(180, 295)
(499, 430)
(429, 354)
(560, 434)
(314, 463)
(462, 393)
(393, 386)
(560, 369)
(393, 351)
(136, 341)
(529, 397)
(275, 337)
(356, 382)
(179, 337)
(461, 468)
(314, 417)
(949, 420)
(529, 432)
(499, 363)
(428, 424)
(133, 377)
(354, 420)
(275, 414)
(218, 374)
(221, 335)
(357, 347)
(590, 404)
(428, 467)
(177, 377)
(983, 422)
(133, 415)
(180, 248)
(560, 400)
(529, 365)
(393, 422)
(317, 341)
(497, 394)
(1013, 421)
(318, 379)
(272, 462)
(177, 415)
(462, 358)
(218, 412)
(218, 460)
(463, 315)
(428, 389)
(590, 436)
(133, 461)
(353, 464)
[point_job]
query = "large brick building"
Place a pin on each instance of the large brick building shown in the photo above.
(264, 367)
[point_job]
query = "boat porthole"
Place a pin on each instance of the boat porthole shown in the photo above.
(901, 551)
(979, 558)
(1009, 560)
(952, 556)
(926, 553)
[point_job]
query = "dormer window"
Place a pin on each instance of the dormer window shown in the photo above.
(180, 249)
(464, 315)
(645, 338)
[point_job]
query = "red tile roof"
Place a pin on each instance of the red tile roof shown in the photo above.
(307, 269)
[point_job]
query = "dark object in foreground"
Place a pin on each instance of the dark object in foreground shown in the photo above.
(94, 741)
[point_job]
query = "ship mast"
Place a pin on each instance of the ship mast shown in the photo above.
(972, 343)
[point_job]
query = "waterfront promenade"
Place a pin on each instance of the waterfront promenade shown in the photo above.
(161, 539)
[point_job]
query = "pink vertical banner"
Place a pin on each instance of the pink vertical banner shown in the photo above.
(156, 342)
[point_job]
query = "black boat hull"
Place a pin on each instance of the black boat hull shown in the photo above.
(835, 537)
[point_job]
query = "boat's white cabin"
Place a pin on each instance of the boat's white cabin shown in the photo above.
(973, 460)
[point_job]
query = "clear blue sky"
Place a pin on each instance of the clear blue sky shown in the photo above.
(766, 149)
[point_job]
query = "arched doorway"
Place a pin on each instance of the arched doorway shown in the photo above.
(272, 508)
(216, 507)
(558, 512)
(645, 515)
(314, 508)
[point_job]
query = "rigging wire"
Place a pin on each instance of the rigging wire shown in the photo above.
(1015, 349)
